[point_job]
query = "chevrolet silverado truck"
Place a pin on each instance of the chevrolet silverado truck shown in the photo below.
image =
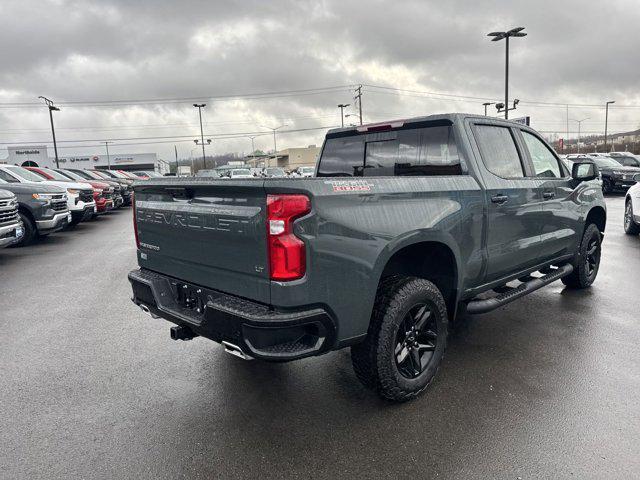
(405, 226)
(42, 208)
(11, 229)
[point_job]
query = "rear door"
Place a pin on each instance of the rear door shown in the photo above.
(513, 202)
(560, 222)
(208, 232)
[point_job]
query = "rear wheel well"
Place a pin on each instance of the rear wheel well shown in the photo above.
(598, 216)
(432, 261)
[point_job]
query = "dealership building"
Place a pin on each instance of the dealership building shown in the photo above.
(38, 156)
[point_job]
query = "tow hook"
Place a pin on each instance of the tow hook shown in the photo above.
(235, 350)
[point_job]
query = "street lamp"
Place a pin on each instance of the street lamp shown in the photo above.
(52, 108)
(497, 36)
(342, 106)
(579, 125)
(275, 147)
(485, 105)
(200, 106)
(606, 121)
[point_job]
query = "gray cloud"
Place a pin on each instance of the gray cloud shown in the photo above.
(577, 52)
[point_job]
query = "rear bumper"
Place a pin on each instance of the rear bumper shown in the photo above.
(258, 330)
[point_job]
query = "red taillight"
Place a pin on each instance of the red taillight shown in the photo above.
(287, 256)
(135, 223)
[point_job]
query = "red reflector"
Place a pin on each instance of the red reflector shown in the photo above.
(287, 255)
(135, 222)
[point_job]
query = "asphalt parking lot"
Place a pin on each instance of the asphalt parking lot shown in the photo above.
(546, 387)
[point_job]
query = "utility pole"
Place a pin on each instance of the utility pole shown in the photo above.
(52, 108)
(342, 106)
(606, 121)
(175, 149)
(200, 106)
(106, 145)
(579, 125)
(358, 98)
(497, 36)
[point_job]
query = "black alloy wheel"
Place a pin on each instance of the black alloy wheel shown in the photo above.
(592, 257)
(416, 341)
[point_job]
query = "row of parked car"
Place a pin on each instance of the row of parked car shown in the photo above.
(616, 169)
(35, 202)
(250, 172)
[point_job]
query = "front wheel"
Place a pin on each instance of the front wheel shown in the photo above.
(630, 226)
(406, 341)
(587, 262)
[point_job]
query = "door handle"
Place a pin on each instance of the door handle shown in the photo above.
(548, 195)
(500, 199)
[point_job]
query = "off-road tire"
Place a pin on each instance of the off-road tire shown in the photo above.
(374, 360)
(30, 230)
(630, 226)
(580, 277)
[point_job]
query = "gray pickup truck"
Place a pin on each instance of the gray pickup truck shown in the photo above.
(11, 228)
(42, 209)
(405, 225)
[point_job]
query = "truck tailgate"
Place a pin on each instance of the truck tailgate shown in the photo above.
(207, 232)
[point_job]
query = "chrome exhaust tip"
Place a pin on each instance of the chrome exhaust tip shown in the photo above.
(235, 350)
(146, 310)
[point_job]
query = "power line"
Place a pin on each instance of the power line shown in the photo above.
(172, 138)
(210, 98)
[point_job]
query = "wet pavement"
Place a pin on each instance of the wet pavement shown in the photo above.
(546, 387)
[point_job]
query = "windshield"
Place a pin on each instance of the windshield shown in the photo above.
(606, 163)
(113, 173)
(56, 175)
(84, 174)
(240, 171)
(70, 175)
(26, 174)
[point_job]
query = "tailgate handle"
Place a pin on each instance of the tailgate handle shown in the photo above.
(179, 193)
(548, 194)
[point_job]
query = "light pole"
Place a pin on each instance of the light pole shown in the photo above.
(497, 36)
(485, 105)
(52, 108)
(606, 121)
(579, 125)
(106, 145)
(200, 106)
(342, 106)
(275, 146)
(197, 142)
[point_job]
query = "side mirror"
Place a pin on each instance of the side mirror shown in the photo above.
(584, 171)
(636, 177)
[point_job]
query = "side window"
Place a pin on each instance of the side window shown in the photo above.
(342, 157)
(8, 178)
(545, 163)
(499, 152)
(630, 162)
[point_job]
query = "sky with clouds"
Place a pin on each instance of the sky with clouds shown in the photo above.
(105, 61)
